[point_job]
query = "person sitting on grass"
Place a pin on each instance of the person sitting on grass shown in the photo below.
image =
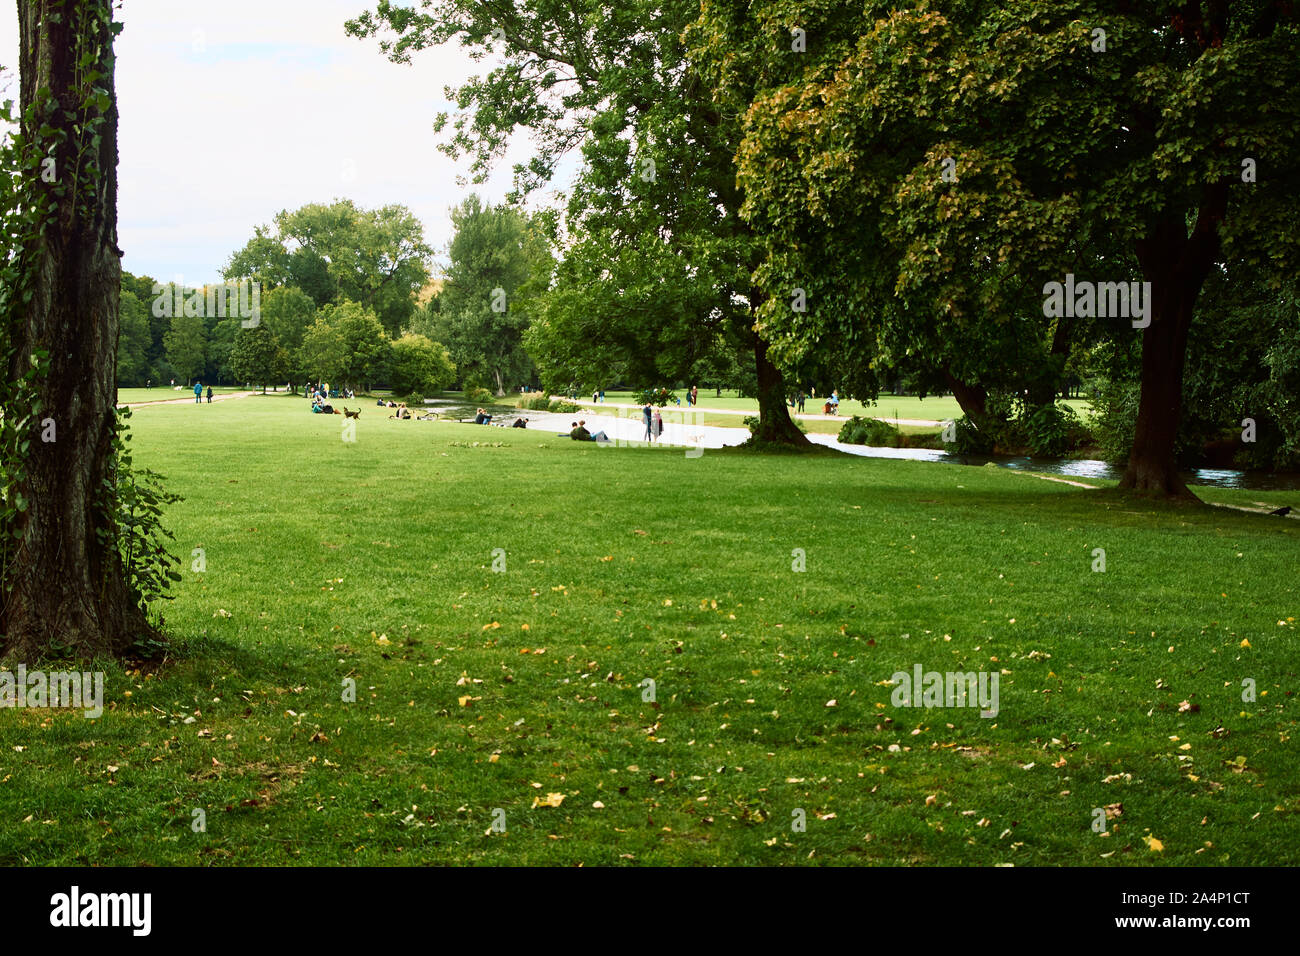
(520, 423)
(580, 433)
(482, 418)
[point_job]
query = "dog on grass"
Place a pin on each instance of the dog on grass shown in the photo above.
(351, 414)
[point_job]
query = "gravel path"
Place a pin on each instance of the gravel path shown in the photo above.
(189, 400)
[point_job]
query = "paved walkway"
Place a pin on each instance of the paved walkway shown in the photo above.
(587, 403)
(188, 400)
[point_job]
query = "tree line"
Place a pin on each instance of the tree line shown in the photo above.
(345, 295)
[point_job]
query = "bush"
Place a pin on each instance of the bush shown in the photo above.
(415, 400)
(969, 440)
(417, 364)
(478, 394)
(870, 431)
(1114, 418)
(560, 405)
(1051, 430)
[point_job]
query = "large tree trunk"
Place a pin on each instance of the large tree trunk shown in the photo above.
(1151, 465)
(775, 424)
(1176, 265)
(65, 587)
(973, 399)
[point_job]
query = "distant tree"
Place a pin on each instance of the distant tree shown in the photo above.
(288, 312)
(256, 357)
(132, 341)
(494, 256)
(346, 344)
(338, 252)
(187, 346)
(221, 340)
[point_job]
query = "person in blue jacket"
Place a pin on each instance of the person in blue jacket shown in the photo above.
(198, 393)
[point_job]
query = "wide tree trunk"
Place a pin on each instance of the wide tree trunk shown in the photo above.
(775, 424)
(1152, 466)
(1176, 265)
(66, 587)
(973, 399)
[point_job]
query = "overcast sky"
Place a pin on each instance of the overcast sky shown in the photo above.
(232, 110)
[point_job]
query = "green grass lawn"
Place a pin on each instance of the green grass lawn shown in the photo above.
(934, 408)
(522, 690)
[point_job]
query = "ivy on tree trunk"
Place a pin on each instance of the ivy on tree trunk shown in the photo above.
(66, 589)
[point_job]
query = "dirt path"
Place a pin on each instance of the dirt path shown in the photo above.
(187, 401)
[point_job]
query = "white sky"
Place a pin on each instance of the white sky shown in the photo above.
(232, 110)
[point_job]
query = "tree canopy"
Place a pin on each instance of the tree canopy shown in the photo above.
(338, 252)
(922, 173)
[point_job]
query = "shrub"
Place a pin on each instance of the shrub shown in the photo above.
(415, 400)
(478, 394)
(969, 440)
(1051, 430)
(418, 365)
(1114, 418)
(870, 431)
(560, 405)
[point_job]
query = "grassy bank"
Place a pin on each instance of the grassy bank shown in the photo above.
(522, 690)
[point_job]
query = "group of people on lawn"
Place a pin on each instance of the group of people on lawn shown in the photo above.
(319, 395)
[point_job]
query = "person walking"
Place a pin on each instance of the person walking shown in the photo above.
(648, 418)
(801, 398)
(198, 393)
(209, 394)
(659, 426)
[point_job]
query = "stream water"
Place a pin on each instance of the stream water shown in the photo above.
(1073, 468)
(628, 428)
